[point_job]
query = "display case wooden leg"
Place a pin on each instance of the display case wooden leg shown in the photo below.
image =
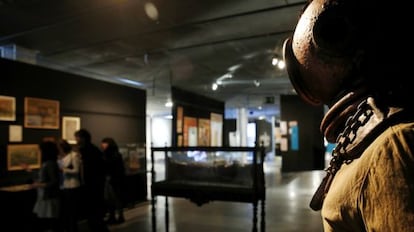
(154, 221)
(167, 216)
(263, 217)
(254, 217)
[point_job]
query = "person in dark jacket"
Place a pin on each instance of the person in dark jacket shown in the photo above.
(47, 206)
(93, 178)
(115, 180)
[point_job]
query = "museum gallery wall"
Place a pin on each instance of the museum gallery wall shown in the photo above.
(199, 120)
(38, 103)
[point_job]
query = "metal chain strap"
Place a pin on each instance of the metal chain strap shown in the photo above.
(347, 137)
(339, 154)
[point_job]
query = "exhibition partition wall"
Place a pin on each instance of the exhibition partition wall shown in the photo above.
(302, 144)
(197, 120)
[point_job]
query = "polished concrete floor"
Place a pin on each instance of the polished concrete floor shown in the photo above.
(286, 209)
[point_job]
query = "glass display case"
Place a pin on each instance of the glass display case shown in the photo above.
(204, 174)
(135, 163)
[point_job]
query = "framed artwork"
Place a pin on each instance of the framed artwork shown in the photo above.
(7, 108)
(15, 133)
(69, 126)
(294, 135)
(216, 129)
(203, 132)
(179, 119)
(283, 127)
(20, 155)
(41, 113)
(180, 140)
(190, 131)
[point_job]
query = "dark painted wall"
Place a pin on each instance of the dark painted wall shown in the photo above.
(310, 155)
(105, 109)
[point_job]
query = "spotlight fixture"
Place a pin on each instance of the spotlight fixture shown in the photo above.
(219, 80)
(281, 64)
(169, 104)
(130, 82)
(151, 11)
(276, 61)
(233, 68)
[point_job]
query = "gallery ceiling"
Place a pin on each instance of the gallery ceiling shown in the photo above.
(154, 45)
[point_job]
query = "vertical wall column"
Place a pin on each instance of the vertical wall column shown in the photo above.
(272, 137)
(242, 121)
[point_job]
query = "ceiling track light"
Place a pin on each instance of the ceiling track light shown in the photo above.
(275, 61)
(169, 104)
(281, 64)
(278, 62)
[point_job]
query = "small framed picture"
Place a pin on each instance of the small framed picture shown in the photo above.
(69, 126)
(7, 108)
(15, 133)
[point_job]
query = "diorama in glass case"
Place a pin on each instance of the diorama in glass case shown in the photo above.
(210, 166)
